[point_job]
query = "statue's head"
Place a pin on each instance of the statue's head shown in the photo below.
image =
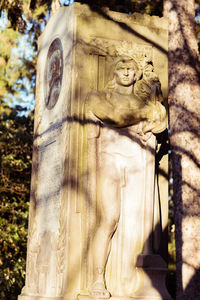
(124, 72)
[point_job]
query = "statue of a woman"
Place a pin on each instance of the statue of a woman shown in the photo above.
(128, 104)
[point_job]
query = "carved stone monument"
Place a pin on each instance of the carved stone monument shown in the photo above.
(97, 220)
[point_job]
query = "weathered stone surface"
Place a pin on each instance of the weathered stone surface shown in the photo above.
(47, 227)
(85, 153)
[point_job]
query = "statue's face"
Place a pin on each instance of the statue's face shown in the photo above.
(125, 73)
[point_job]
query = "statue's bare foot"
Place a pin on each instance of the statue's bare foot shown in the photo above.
(99, 291)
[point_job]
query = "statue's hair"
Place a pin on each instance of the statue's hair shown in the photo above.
(121, 59)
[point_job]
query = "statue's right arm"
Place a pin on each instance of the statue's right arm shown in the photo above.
(113, 115)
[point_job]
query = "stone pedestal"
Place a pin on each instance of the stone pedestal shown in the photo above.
(32, 297)
(154, 271)
(76, 52)
(82, 297)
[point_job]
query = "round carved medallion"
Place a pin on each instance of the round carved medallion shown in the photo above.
(53, 73)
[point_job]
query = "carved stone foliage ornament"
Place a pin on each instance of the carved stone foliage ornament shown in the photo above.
(53, 73)
(140, 52)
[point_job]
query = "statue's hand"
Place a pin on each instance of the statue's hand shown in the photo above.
(156, 118)
(153, 111)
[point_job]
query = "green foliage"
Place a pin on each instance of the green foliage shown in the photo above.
(18, 48)
(19, 12)
(17, 69)
(171, 241)
(8, 75)
(15, 65)
(15, 156)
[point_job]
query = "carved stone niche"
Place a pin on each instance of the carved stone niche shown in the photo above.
(89, 168)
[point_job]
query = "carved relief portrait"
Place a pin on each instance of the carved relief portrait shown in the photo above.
(53, 73)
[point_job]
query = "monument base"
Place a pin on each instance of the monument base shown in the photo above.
(81, 297)
(84, 297)
(33, 297)
(153, 273)
(153, 269)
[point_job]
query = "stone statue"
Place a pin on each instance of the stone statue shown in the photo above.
(129, 103)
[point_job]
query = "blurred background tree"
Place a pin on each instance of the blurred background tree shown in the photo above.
(21, 23)
(197, 22)
(15, 144)
(20, 26)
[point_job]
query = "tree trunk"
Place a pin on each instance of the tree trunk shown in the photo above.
(184, 117)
